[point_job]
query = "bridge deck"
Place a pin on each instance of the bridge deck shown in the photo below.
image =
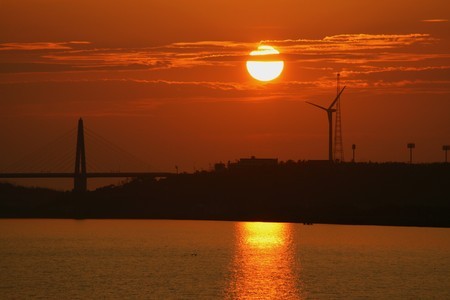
(88, 175)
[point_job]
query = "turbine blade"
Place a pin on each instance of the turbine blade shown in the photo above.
(336, 99)
(321, 107)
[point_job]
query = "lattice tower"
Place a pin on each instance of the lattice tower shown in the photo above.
(338, 145)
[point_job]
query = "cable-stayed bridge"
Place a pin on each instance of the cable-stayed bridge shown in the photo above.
(60, 159)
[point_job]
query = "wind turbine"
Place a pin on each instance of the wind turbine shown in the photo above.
(330, 110)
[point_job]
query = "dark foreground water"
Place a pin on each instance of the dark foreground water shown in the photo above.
(148, 259)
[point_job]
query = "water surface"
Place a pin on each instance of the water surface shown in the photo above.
(155, 259)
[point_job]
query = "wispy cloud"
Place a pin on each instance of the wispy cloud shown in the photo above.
(192, 70)
(380, 69)
(340, 49)
(41, 46)
(143, 97)
(352, 42)
(434, 20)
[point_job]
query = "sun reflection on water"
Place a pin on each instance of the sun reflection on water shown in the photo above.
(264, 263)
(264, 235)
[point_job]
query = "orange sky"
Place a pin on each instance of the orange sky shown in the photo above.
(166, 80)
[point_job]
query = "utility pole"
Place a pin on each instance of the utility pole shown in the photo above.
(411, 146)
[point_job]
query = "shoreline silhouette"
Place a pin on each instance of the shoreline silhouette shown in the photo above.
(395, 194)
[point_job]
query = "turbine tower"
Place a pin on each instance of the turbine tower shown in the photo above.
(330, 110)
(338, 145)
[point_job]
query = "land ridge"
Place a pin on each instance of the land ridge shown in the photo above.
(302, 192)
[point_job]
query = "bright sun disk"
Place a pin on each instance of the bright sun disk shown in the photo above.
(265, 70)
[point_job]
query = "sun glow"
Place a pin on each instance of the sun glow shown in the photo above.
(264, 262)
(265, 235)
(262, 69)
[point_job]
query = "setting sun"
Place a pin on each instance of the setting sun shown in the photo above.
(262, 69)
(224, 149)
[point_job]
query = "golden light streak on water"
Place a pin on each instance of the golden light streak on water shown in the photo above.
(264, 262)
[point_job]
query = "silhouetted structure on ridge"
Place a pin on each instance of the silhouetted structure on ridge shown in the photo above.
(253, 162)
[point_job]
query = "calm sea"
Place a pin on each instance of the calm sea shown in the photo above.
(152, 259)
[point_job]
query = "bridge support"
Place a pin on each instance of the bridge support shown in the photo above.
(80, 178)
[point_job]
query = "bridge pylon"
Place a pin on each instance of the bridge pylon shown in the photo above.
(80, 178)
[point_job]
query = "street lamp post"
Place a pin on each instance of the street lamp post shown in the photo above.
(353, 149)
(446, 148)
(411, 146)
